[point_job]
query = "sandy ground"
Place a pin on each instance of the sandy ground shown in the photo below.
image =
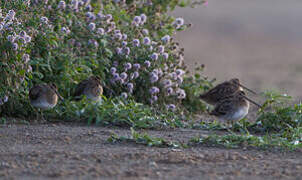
(45, 151)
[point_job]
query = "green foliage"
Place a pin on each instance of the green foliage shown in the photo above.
(236, 141)
(276, 115)
(145, 139)
(118, 112)
(194, 86)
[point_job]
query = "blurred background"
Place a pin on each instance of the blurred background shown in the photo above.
(258, 41)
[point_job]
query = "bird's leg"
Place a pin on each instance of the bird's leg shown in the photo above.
(246, 130)
(41, 115)
(37, 113)
(231, 127)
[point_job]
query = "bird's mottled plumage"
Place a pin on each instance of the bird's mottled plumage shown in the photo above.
(90, 87)
(221, 91)
(232, 108)
(43, 96)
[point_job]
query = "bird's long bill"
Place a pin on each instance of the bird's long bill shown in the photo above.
(59, 95)
(247, 89)
(252, 101)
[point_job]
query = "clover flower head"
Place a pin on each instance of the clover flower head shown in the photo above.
(147, 63)
(154, 56)
(128, 66)
(88, 14)
(136, 42)
(112, 70)
(145, 32)
(137, 19)
(147, 41)
(25, 58)
(10, 16)
(143, 18)
(165, 56)
(44, 20)
(5, 99)
(101, 31)
(135, 75)
(154, 90)
(167, 83)
(180, 72)
(11, 13)
(15, 46)
(92, 17)
(153, 77)
(181, 94)
(161, 49)
(109, 17)
(118, 36)
(166, 38)
(88, 7)
(136, 66)
(91, 26)
(62, 5)
(125, 36)
(170, 90)
(81, 3)
(179, 21)
(124, 43)
(119, 50)
(126, 50)
(11, 38)
(124, 95)
(116, 76)
(27, 39)
(171, 107)
(123, 75)
(173, 75)
(130, 86)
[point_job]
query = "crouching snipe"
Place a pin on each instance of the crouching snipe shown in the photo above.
(90, 87)
(44, 96)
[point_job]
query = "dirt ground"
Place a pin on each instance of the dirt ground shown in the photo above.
(258, 41)
(66, 151)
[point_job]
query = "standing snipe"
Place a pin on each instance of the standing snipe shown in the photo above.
(223, 90)
(90, 87)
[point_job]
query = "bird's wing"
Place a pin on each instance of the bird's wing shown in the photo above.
(219, 90)
(222, 108)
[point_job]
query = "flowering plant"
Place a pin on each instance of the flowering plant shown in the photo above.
(127, 43)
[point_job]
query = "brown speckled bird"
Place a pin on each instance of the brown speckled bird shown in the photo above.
(233, 108)
(44, 96)
(223, 90)
(90, 87)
